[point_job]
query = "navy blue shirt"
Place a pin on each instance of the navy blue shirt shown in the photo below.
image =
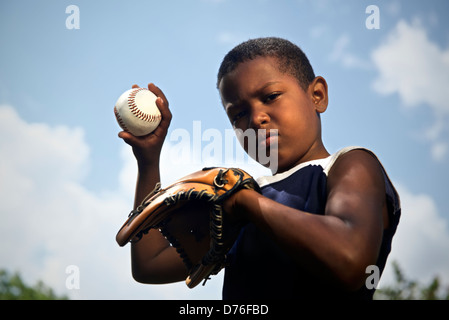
(257, 268)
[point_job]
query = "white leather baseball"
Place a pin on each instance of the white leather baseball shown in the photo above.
(136, 111)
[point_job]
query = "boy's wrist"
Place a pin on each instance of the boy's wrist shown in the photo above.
(145, 168)
(143, 164)
(147, 158)
(236, 205)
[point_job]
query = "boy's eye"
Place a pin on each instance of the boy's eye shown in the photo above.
(238, 116)
(271, 97)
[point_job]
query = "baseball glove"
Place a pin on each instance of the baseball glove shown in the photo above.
(189, 214)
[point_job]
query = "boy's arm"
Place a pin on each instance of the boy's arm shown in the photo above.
(153, 259)
(339, 245)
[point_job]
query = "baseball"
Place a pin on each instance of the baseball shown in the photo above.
(136, 111)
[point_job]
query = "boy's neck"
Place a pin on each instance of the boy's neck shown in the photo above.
(315, 152)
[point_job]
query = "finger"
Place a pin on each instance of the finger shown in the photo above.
(126, 136)
(158, 92)
(163, 108)
(166, 117)
(162, 104)
(135, 86)
(136, 142)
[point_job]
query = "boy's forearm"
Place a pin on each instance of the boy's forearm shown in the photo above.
(147, 177)
(319, 243)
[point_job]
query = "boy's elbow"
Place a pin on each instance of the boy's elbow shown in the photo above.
(352, 281)
(140, 276)
(352, 274)
(146, 277)
(144, 274)
(157, 274)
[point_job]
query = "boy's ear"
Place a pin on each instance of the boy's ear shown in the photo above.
(318, 92)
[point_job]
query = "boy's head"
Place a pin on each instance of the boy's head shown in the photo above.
(267, 85)
(290, 57)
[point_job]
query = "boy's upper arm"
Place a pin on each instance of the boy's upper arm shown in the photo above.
(356, 195)
(154, 260)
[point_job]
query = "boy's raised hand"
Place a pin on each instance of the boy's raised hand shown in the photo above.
(147, 148)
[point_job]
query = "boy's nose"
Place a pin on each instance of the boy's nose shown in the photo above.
(258, 119)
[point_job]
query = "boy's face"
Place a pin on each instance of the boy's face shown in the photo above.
(256, 95)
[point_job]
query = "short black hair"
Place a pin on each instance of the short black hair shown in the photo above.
(291, 58)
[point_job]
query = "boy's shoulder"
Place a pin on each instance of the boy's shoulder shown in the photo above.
(355, 168)
(362, 160)
(348, 155)
(354, 159)
(355, 162)
(337, 165)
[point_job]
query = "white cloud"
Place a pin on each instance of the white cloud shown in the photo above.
(421, 243)
(49, 220)
(23, 145)
(417, 69)
(439, 150)
(411, 65)
(341, 54)
(393, 8)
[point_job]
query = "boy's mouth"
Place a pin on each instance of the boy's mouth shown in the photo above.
(269, 139)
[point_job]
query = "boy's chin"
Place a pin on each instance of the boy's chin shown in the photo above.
(271, 164)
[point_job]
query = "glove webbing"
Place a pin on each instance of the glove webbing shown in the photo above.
(215, 253)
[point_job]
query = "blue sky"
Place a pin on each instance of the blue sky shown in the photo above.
(67, 181)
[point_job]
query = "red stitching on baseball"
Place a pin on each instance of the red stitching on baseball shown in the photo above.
(136, 111)
(120, 120)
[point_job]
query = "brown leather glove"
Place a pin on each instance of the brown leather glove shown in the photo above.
(189, 214)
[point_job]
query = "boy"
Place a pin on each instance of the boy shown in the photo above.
(321, 219)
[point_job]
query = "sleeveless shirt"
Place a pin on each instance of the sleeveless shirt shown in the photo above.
(257, 268)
